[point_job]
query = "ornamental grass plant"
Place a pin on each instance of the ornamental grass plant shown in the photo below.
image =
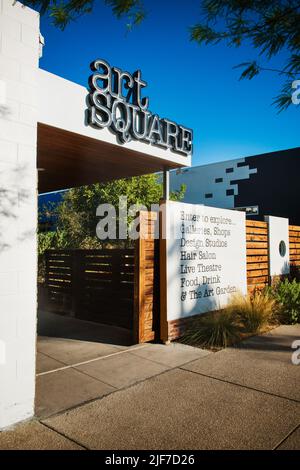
(243, 316)
(215, 330)
(255, 312)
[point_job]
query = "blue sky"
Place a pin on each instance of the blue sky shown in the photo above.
(195, 86)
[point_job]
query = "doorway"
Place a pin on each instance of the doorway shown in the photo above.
(94, 306)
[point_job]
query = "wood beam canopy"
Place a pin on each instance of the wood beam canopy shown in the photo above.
(67, 160)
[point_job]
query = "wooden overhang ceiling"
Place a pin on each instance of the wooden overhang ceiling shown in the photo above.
(66, 160)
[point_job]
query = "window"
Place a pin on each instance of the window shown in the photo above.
(230, 192)
(282, 249)
(229, 170)
(240, 164)
(219, 180)
(208, 195)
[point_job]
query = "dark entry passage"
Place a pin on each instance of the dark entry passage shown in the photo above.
(95, 285)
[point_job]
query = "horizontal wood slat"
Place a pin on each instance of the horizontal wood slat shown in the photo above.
(256, 238)
(257, 254)
(256, 224)
(96, 285)
(260, 245)
(258, 280)
(256, 231)
(257, 273)
(257, 259)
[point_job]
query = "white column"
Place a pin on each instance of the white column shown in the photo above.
(278, 243)
(19, 55)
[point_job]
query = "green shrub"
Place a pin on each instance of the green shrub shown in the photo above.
(254, 311)
(46, 241)
(287, 296)
(219, 329)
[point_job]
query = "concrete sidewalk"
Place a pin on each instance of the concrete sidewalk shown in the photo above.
(246, 397)
(79, 361)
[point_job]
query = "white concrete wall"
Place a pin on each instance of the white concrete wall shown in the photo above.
(278, 231)
(201, 180)
(19, 54)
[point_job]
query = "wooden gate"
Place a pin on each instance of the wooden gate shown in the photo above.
(117, 286)
(95, 285)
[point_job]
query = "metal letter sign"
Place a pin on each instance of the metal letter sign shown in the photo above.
(115, 101)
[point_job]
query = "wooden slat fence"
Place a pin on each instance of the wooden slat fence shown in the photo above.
(121, 287)
(257, 254)
(94, 285)
(58, 279)
(294, 239)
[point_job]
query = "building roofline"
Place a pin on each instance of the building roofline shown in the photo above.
(237, 159)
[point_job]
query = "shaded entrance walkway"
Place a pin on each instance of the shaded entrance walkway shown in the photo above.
(78, 361)
(63, 344)
(65, 327)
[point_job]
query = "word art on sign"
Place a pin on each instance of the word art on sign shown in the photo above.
(116, 102)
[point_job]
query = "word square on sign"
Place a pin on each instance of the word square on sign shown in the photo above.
(116, 102)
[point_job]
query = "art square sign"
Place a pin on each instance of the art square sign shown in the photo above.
(116, 102)
(206, 258)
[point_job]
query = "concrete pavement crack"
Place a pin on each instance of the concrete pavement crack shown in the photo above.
(64, 435)
(240, 385)
(286, 437)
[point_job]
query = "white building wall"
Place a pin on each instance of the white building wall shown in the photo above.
(201, 181)
(64, 105)
(19, 55)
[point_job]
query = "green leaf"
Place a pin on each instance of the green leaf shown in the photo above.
(252, 69)
(284, 99)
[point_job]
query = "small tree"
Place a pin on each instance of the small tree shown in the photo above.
(76, 218)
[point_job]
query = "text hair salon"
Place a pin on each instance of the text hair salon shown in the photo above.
(115, 101)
